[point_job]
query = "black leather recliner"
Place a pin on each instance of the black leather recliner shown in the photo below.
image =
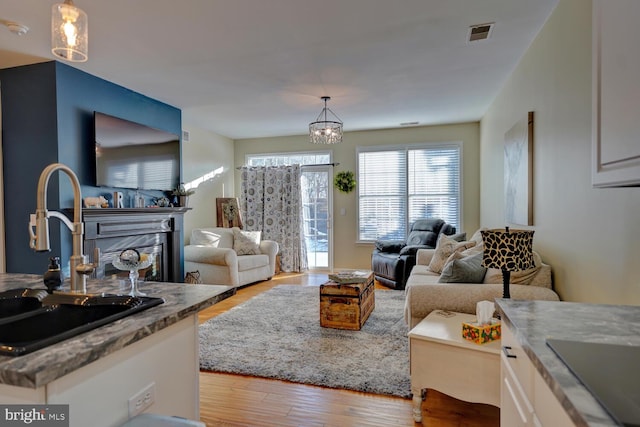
(393, 260)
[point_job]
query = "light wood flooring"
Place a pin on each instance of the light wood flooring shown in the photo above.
(236, 400)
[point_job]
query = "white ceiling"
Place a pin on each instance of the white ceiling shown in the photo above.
(255, 68)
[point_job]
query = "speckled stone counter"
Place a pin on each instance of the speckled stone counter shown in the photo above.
(533, 322)
(50, 363)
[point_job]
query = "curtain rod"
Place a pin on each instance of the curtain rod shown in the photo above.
(319, 164)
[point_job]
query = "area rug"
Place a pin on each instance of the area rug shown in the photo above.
(277, 334)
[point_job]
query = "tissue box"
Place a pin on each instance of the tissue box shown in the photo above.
(481, 334)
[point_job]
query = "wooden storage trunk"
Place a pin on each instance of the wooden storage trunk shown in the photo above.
(346, 305)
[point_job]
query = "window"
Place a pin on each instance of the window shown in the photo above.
(279, 159)
(398, 185)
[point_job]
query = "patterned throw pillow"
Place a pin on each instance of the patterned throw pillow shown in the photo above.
(193, 277)
(444, 248)
(246, 242)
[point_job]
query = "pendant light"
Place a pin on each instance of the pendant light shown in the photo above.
(69, 32)
(323, 130)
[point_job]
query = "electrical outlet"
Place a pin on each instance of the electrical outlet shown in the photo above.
(142, 400)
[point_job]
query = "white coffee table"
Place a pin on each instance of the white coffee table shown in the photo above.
(442, 360)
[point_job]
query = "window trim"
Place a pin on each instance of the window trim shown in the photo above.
(407, 147)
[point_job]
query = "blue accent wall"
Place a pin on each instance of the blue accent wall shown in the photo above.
(47, 117)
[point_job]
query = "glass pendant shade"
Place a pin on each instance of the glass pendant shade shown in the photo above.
(324, 130)
(69, 32)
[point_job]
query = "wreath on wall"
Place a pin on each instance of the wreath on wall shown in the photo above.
(345, 181)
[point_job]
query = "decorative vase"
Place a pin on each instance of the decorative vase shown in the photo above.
(183, 201)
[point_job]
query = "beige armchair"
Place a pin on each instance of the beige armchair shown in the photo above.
(211, 252)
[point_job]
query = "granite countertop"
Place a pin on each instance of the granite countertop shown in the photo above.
(43, 366)
(533, 322)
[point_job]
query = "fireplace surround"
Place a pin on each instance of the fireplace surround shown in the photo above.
(157, 232)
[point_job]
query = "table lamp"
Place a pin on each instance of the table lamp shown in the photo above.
(507, 250)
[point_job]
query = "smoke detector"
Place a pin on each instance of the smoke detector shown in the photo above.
(15, 27)
(480, 32)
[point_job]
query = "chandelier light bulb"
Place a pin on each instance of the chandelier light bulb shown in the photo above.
(70, 33)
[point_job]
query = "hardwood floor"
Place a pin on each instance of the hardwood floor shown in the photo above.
(237, 400)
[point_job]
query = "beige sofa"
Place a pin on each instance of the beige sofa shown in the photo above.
(424, 294)
(211, 252)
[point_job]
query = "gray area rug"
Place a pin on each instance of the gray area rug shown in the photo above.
(277, 334)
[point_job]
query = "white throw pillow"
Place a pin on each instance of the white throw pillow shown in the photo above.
(205, 237)
(246, 242)
(444, 248)
(477, 236)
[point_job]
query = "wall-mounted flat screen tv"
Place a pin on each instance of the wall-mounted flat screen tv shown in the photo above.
(135, 156)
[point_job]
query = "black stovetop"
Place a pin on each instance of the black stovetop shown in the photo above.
(610, 372)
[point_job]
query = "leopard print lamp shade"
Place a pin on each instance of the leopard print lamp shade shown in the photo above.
(508, 250)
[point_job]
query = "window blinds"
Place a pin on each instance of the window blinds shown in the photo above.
(400, 185)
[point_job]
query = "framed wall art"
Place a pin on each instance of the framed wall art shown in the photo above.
(518, 172)
(228, 212)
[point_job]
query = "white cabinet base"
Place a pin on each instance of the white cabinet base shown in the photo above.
(526, 399)
(98, 393)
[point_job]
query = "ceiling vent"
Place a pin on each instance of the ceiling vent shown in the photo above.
(479, 32)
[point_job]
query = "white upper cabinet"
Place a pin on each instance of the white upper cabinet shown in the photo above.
(616, 93)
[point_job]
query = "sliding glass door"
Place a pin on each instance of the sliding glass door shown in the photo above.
(318, 206)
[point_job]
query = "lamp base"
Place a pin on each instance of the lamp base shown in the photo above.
(506, 276)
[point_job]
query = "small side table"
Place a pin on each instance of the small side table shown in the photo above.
(442, 360)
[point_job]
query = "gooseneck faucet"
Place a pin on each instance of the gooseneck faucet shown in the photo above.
(39, 226)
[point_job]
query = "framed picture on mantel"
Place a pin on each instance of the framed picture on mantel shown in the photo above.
(228, 212)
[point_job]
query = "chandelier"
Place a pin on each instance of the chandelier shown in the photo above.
(323, 130)
(69, 32)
